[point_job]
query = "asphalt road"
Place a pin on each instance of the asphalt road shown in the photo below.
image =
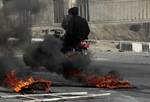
(131, 66)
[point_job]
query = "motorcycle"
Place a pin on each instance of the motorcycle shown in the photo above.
(81, 47)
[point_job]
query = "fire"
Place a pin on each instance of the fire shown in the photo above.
(18, 85)
(108, 81)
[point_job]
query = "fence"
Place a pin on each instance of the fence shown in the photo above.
(129, 11)
(96, 11)
(30, 12)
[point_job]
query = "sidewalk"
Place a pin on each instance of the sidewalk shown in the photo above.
(119, 46)
(122, 57)
(107, 51)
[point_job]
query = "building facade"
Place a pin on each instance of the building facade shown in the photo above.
(95, 11)
(51, 12)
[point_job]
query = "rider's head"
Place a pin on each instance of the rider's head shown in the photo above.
(73, 11)
(70, 11)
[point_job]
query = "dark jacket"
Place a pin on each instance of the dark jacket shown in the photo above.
(78, 30)
(65, 21)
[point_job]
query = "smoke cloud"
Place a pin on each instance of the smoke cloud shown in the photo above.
(16, 19)
(15, 22)
(48, 54)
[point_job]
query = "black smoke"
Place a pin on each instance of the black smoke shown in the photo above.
(48, 54)
(9, 63)
(15, 22)
(17, 16)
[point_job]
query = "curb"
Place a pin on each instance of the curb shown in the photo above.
(134, 46)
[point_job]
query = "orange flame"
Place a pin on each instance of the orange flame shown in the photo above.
(17, 84)
(109, 81)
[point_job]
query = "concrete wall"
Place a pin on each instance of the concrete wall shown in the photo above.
(101, 13)
(120, 11)
(46, 15)
(112, 19)
(117, 32)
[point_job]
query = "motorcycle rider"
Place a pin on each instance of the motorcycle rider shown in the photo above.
(77, 30)
(66, 20)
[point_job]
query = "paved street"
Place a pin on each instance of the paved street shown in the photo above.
(51, 47)
(132, 67)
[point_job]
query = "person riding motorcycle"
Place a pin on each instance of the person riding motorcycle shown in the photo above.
(77, 30)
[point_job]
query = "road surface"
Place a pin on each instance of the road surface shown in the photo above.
(131, 66)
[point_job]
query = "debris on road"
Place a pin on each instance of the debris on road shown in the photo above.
(52, 97)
